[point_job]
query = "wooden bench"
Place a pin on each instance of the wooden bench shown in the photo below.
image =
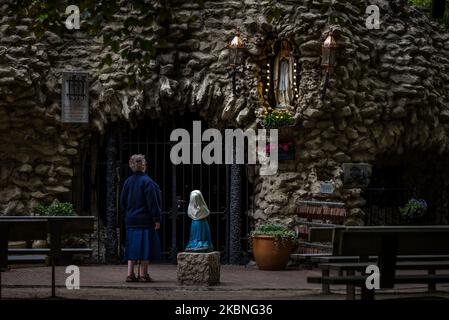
(392, 249)
(327, 234)
(25, 228)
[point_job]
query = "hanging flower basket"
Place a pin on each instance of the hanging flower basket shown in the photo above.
(275, 119)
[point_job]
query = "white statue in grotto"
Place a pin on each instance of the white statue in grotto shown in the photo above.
(283, 76)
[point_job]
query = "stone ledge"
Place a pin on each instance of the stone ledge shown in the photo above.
(198, 268)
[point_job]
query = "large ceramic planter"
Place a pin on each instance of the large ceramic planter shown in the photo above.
(269, 255)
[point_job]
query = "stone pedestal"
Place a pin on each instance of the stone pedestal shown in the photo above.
(199, 268)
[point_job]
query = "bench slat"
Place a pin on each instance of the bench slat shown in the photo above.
(26, 259)
(307, 256)
(332, 259)
(401, 279)
(45, 251)
(315, 245)
(401, 265)
(77, 250)
(28, 251)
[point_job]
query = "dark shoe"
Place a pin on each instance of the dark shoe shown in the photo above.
(132, 278)
(146, 278)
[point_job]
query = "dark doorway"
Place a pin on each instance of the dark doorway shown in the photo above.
(152, 138)
(396, 179)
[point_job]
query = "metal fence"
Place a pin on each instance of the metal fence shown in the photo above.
(152, 139)
(383, 204)
(176, 183)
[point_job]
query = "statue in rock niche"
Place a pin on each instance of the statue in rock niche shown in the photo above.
(283, 76)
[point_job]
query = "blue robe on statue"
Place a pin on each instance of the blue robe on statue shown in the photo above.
(200, 238)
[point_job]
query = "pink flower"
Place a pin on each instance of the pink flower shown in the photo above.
(283, 146)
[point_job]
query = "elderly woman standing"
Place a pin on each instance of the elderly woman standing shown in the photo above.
(141, 201)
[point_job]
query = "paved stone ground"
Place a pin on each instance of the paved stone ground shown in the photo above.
(237, 282)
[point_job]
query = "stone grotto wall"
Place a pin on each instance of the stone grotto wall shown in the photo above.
(388, 93)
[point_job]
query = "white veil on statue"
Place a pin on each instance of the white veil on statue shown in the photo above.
(198, 209)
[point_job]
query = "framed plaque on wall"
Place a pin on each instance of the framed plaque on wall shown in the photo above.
(356, 175)
(75, 97)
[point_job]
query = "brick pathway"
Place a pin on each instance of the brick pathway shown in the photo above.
(237, 282)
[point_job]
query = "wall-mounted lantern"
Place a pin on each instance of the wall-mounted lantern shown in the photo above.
(328, 58)
(236, 48)
(236, 55)
(329, 51)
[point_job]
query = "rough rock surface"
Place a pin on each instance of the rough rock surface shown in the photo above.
(199, 268)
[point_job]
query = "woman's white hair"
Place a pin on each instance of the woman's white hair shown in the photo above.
(137, 162)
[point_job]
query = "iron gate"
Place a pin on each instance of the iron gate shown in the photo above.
(382, 205)
(176, 182)
(152, 138)
(389, 190)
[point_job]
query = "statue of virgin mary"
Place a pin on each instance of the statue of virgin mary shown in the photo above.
(283, 76)
(200, 238)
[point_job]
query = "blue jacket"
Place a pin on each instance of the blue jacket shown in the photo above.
(141, 201)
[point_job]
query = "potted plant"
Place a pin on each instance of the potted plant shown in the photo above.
(414, 211)
(272, 245)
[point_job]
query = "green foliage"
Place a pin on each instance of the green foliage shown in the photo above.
(56, 209)
(277, 118)
(421, 3)
(414, 210)
(282, 235)
(49, 15)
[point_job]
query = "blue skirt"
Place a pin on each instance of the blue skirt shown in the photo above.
(142, 244)
(200, 237)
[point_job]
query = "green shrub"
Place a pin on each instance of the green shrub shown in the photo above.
(56, 209)
(277, 118)
(283, 236)
(421, 3)
(414, 210)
